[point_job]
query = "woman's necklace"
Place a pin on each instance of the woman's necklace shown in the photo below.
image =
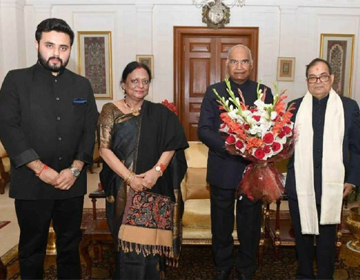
(135, 112)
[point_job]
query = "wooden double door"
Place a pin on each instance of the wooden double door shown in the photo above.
(200, 55)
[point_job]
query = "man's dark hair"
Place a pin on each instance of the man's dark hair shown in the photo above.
(315, 61)
(131, 67)
(53, 24)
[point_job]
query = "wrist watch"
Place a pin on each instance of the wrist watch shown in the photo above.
(74, 171)
(160, 168)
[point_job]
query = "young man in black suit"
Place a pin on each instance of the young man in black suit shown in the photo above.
(47, 125)
(224, 172)
(323, 170)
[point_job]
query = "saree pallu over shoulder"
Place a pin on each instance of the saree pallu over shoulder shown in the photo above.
(117, 132)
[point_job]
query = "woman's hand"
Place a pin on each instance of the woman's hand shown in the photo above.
(136, 183)
(149, 178)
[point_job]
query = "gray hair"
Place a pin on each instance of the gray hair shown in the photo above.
(240, 46)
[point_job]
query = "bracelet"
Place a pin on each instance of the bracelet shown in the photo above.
(130, 178)
(42, 169)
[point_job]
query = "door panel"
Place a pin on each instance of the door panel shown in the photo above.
(198, 77)
(200, 60)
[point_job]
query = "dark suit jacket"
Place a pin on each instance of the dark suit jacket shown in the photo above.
(46, 117)
(223, 170)
(351, 146)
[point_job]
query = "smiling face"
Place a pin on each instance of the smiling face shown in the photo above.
(136, 84)
(54, 50)
(320, 89)
(239, 72)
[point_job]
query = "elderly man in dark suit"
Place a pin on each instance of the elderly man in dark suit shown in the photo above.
(224, 172)
(323, 170)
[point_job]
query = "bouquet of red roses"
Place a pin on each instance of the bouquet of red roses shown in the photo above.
(261, 134)
(170, 105)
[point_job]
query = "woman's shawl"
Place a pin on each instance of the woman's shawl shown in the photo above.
(161, 131)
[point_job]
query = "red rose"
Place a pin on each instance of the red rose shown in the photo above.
(267, 149)
(252, 110)
(239, 144)
(257, 118)
(287, 129)
(268, 138)
(223, 125)
(259, 153)
(281, 134)
(246, 126)
(275, 146)
(230, 139)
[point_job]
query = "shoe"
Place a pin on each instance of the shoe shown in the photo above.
(243, 276)
(222, 275)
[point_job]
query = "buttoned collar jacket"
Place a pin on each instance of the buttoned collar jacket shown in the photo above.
(46, 117)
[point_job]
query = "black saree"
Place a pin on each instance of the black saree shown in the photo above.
(148, 221)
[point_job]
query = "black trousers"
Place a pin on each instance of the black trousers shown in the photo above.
(34, 218)
(305, 248)
(248, 221)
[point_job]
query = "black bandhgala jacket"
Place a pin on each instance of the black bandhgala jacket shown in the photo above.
(46, 117)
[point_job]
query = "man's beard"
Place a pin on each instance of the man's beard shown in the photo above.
(53, 68)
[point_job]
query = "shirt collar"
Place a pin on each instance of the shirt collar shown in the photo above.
(241, 86)
(321, 101)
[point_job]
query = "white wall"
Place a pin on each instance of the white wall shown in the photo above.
(287, 28)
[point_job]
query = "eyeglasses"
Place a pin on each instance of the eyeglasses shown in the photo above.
(136, 82)
(313, 80)
(244, 62)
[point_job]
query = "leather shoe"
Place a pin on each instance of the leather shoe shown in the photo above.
(243, 276)
(222, 275)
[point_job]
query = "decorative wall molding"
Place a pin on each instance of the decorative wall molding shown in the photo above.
(144, 7)
(20, 4)
(300, 3)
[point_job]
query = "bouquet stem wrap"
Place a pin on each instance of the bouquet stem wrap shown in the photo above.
(262, 181)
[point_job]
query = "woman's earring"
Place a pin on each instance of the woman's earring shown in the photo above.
(123, 90)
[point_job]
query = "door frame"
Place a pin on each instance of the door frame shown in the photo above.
(181, 31)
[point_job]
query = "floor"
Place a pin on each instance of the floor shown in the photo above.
(9, 235)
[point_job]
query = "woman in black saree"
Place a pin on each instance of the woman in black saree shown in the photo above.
(142, 146)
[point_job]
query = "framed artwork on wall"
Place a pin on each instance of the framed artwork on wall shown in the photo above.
(338, 50)
(148, 60)
(286, 69)
(94, 60)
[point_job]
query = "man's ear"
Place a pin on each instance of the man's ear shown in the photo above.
(36, 43)
(332, 77)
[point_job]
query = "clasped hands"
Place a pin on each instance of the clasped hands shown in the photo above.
(145, 180)
(63, 180)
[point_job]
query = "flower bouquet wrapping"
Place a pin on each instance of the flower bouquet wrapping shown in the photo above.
(261, 134)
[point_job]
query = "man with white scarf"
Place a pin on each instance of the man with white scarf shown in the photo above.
(324, 169)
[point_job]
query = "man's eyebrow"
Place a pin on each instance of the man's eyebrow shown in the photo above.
(320, 74)
(51, 43)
